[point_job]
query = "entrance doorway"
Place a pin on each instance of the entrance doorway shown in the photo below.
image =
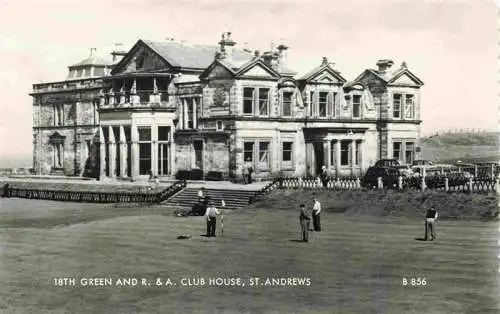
(198, 154)
(319, 157)
(315, 158)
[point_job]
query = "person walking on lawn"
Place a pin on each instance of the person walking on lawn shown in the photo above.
(315, 215)
(304, 219)
(430, 219)
(211, 216)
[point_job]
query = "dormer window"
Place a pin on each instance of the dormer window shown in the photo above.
(356, 106)
(286, 110)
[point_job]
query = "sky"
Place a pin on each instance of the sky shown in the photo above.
(449, 44)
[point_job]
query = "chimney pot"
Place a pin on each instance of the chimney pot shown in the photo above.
(92, 52)
(325, 61)
(383, 65)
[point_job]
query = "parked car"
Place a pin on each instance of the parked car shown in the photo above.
(389, 177)
(406, 171)
(387, 163)
(422, 162)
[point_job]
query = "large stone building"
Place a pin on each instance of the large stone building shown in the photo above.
(167, 107)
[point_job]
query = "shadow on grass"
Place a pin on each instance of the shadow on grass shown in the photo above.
(420, 239)
(295, 240)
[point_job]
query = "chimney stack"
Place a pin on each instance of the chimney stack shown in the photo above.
(384, 65)
(118, 51)
(92, 52)
(226, 44)
(282, 51)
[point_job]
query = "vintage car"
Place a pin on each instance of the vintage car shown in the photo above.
(387, 163)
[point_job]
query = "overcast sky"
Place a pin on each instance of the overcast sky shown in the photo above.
(449, 44)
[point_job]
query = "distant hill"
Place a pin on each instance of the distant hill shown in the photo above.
(461, 139)
(466, 146)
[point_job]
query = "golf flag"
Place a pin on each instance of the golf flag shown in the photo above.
(223, 204)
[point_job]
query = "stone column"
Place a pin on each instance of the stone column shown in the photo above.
(134, 98)
(102, 153)
(134, 151)
(154, 149)
(361, 163)
(111, 99)
(112, 152)
(181, 113)
(195, 107)
(122, 94)
(353, 157)
(123, 153)
(326, 146)
(185, 114)
(337, 157)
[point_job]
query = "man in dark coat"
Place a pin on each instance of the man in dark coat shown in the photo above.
(304, 219)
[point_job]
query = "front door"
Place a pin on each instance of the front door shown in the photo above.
(319, 157)
(198, 154)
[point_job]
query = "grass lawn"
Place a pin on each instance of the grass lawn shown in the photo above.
(356, 265)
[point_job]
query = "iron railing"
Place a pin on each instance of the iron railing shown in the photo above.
(95, 197)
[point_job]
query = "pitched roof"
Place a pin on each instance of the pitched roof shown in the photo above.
(192, 56)
(317, 70)
(92, 60)
(389, 76)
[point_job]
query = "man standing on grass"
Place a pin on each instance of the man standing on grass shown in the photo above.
(211, 216)
(430, 218)
(315, 215)
(304, 222)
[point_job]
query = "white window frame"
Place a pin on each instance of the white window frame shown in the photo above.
(287, 164)
(360, 106)
(401, 104)
(283, 103)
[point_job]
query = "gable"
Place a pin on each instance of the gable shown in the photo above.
(217, 70)
(141, 59)
(258, 71)
(325, 77)
(405, 79)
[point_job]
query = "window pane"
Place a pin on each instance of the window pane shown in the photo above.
(248, 100)
(144, 134)
(287, 151)
(263, 101)
(397, 106)
(248, 151)
(163, 133)
(323, 101)
(144, 158)
(409, 107)
(287, 104)
(358, 153)
(396, 149)
(356, 106)
(264, 152)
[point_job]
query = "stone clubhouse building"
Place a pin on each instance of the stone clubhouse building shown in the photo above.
(163, 108)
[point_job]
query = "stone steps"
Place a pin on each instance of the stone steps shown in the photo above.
(234, 199)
